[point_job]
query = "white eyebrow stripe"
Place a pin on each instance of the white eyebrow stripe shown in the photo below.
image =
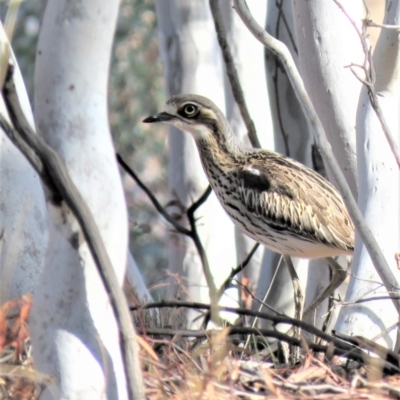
(209, 113)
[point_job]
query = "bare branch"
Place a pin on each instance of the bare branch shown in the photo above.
(192, 232)
(232, 73)
(52, 169)
(259, 301)
(324, 147)
(236, 270)
(276, 319)
(200, 249)
(359, 301)
(237, 330)
(229, 279)
(168, 217)
(340, 346)
(370, 345)
(369, 81)
(279, 68)
(373, 24)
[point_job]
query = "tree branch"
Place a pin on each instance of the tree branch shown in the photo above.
(373, 24)
(229, 279)
(192, 232)
(51, 168)
(279, 68)
(168, 217)
(236, 270)
(370, 345)
(276, 319)
(279, 49)
(340, 347)
(369, 81)
(233, 74)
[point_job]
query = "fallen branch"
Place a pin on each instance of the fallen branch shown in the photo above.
(276, 319)
(355, 353)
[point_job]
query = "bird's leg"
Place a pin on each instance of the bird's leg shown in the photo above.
(298, 303)
(338, 277)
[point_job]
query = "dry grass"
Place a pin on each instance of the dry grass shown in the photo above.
(18, 379)
(216, 367)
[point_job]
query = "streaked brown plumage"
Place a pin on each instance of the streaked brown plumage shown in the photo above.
(275, 200)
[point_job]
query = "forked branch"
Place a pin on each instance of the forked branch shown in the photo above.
(192, 232)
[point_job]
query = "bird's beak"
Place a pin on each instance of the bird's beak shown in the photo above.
(162, 117)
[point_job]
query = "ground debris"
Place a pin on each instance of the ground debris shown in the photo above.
(18, 378)
(217, 369)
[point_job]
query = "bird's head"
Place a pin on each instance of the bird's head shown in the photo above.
(195, 114)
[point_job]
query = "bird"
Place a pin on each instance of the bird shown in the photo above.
(273, 199)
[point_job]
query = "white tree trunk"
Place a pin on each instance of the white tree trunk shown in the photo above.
(328, 43)
(192, 64)
(23, 214)
(254, 85)
(379, 193)
(74, 333)
(291, 136)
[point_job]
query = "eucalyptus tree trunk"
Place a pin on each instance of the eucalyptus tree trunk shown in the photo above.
(379, 193)
(23, 214)
(74, 332)
(248, 55)
(327, 43)
(192, 64)
(291, 137)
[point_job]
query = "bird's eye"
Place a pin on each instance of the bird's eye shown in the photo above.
(190, 110)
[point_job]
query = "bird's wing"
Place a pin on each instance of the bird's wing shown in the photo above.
(290, 197)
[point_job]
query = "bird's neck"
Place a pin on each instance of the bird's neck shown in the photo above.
(221, 151)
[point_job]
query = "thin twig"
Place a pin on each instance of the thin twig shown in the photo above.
(233, 74)
(386, 331)
(324, 147)
(370, 345)
(199, 246)
(261, 302)
(237, 270)
(228, 280)
(359, 301)
(369, 81)
(282, 15)
(53, 172)
(192, 232)
(275, 319)
(168, 217)
(275, 78)
(355, 353)
(298, 297)
(373, 24)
